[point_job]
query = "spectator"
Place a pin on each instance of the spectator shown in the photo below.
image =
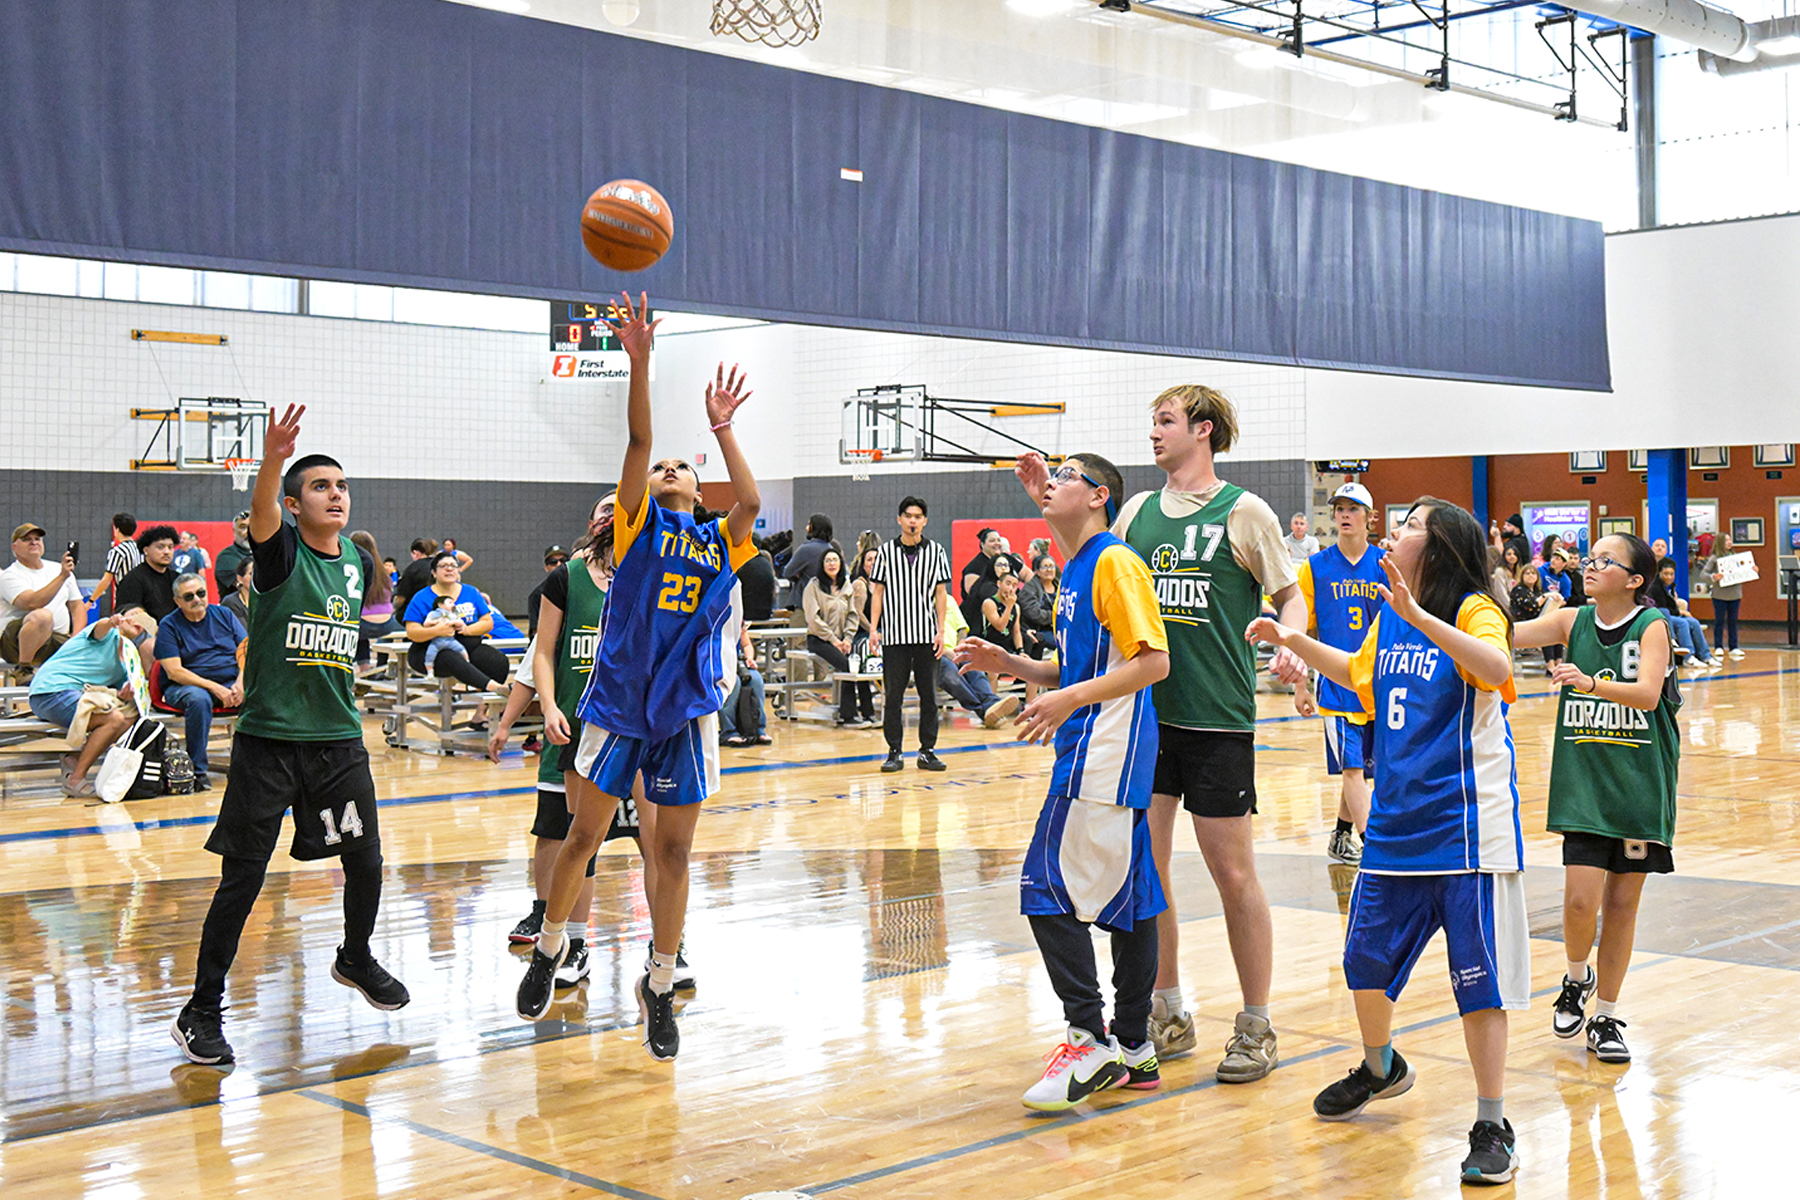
(971, 690)
(1512, 533)
(238, 599)
(225, 567)
(1039, 547)
(151, 584)
(463, 561)
(417, 573)
(1524, 588)
(93, 659)
(732, 731)
(1300, 544)
(758, 579)
(1037, 607)
(378, 618)
(1690, 636)
(198, 651)
(40, 604)
(803, 563)
(1000, 614)
(830, 634)
(986, 587)
(1726, 597)
(393, 572)
(910, 582)
(860, 595)
(480, 666)
(188, 555)
(121, 557)
(979, 568)
(554, 557)
(1499, 579)
(1013, 560)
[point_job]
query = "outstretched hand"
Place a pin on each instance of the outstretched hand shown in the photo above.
(281, 438)
(1396, 594)
(628, 325)
(725, 394)
(979, 654)
(1268, 629)
(1033, 474)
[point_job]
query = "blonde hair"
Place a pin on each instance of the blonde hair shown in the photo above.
(1202, 403)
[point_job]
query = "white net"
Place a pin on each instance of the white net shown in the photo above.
(771, 22)
(243, 470)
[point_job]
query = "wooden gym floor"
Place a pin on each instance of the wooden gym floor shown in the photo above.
(870, 1005)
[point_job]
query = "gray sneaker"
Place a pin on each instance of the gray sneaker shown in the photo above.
(1345, 847)
(999, 711)
(1174, 1035)
(1250, 1054)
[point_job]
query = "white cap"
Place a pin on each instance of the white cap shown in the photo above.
(1356, 493)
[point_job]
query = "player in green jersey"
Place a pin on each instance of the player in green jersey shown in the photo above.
(1214, 551)
(298, 742)
(1612, 775)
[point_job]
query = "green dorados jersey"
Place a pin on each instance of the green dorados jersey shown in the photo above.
(300, 661)
(1613, 769)
(1207, 601)
(576, 643)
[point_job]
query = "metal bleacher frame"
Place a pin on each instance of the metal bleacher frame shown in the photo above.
(403, 699)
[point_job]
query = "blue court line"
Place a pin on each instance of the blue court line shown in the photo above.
(463, 1143)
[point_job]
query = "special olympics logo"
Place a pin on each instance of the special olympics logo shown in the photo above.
(338, 609)
(1164, 558)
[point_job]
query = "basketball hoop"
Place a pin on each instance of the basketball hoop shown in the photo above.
(860, 460)
(242, 471)
(771, 22)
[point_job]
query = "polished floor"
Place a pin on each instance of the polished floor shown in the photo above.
(870, 1005)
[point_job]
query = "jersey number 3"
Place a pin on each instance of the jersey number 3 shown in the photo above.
(680, 593)
(337, 830)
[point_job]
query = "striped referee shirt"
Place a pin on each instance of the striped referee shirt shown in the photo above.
(910, 575)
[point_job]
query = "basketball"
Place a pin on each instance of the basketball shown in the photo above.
(626, 225)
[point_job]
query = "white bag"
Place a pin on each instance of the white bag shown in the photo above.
(118, 770)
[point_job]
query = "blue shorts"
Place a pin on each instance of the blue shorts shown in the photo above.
(1348, 744)
(1092, 860)
(58, 708)
(681, 769)
(1392, 917)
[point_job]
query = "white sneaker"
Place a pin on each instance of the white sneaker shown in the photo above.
(1078, 1068)
(574, 967)
(1735, 655)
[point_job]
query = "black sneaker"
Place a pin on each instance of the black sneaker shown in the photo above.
(1605, 1040)
(1570, 1013)
(661, 1037)
(540, 980)
(1491, 1155)
(201, 1035)
(379, 988)
(526, 931)
(894, 762)
(202, 782)
(574, 967)
(531, 744)
(931, 762)
(1351, 1094)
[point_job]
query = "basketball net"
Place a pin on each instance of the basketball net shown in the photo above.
(860, 460)
(242, 471)
(771, 22)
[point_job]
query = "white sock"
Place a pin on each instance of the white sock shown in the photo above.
(662, 972)
(1578, 971)
(1257, 1010)
(551, 939)
(1606, 1008)
(1166, 1003)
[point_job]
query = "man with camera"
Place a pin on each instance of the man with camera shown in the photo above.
(40, 604)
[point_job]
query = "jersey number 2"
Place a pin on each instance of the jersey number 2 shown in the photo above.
(680, 593)
(350, 825)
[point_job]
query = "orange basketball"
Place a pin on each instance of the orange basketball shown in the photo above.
(626, 225)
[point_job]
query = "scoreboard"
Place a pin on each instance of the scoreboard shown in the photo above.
(577, 326)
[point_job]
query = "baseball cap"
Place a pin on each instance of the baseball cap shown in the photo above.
(26, 530)
(1356, 493)
(555, 554)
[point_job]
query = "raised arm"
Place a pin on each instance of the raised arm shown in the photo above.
(724, 396)
(278, 447)
(1485, 661)
(636, 336)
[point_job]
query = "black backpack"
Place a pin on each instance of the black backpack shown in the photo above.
(152, 741)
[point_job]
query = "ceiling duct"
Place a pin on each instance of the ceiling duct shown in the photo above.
(1699, 25)
(1776, 43)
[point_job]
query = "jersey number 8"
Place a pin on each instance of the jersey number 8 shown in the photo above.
(680, 593)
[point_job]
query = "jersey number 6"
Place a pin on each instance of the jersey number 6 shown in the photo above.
(680, 593)
(1396, 709)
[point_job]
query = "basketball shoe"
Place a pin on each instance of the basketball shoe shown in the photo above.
(201, 1035)
(1492, 1158)
(1250, 1053)
(684, 974)
(661, 1036)
(1142, 1072)
(574, 966)
(1345, 846)
(526, 931)
(1605, 1040)
(370, 978)
(1078, 1068)
(539, 982)
(1351, 1094)
(1570, 1013)
(1173, 1035)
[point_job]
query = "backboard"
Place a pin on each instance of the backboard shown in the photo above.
(889, 418)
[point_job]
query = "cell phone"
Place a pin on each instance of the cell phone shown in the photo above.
(75, 551)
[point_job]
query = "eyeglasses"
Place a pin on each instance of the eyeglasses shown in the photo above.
(200, 595)
(1069, 473)
(1601, 562)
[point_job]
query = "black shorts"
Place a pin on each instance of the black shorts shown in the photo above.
(1212, 773)
(327, 784)
(1617, 855)
(554, 819)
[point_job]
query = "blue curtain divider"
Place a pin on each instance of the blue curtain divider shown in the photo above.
(426, 144)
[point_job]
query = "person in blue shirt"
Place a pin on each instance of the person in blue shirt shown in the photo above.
(652, 701)
(469, 619)
(197, 648)
(90, 658)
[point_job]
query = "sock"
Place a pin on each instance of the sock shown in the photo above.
(1257, 1010)
(1344, 826)
(1578, 971)
(1491, 1110)
(1379, 1059)
(1166, 1002)
(1606, 1008)
(551, 939)
(662, 972)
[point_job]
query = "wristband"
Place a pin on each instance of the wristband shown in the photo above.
(725, 424)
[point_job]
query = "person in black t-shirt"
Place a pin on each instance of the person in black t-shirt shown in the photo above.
(151, 584)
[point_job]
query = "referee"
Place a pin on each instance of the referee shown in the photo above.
(911, 578)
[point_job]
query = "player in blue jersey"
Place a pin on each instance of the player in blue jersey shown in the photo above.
(1090, 861)
(1339, 584)
(652, 701)
(1444, 848)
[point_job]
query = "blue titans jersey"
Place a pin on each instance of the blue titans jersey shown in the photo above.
(1446, 796)
(1341, 600)
(659, 664)
(1106, 606)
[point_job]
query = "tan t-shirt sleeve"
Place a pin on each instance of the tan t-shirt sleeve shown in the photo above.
(1258, 545)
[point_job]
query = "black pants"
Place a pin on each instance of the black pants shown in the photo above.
(240, 882)
(1725, 618)
(482, 669)
(899, 664)
(1067, 944)
(854, 699)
